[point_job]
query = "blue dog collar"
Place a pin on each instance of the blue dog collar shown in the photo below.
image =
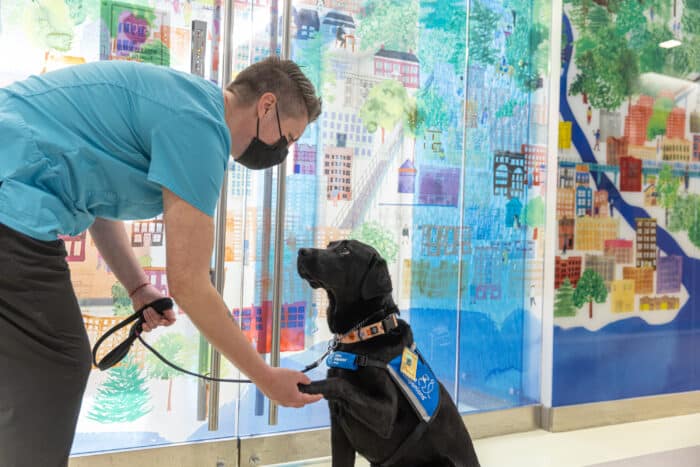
(344, 360)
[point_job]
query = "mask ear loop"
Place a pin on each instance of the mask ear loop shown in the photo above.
(279, 125)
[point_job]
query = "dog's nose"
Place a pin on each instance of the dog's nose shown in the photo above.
(304, 251)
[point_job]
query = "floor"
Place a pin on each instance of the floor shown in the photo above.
(666, 442)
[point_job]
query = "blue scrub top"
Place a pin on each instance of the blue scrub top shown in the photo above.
(101, 140)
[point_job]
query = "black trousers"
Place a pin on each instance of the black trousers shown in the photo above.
(45, 355)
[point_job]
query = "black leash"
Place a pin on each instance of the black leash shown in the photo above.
(117, 354)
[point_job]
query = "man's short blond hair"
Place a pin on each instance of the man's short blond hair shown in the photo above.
(283, 78)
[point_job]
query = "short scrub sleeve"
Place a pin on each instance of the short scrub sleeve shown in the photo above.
(189, 154)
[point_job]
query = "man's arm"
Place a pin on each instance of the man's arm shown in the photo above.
(112, 241)
(189, 246)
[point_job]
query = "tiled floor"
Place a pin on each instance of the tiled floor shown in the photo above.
(663, 442)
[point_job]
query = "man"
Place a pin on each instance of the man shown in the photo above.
(90, 146)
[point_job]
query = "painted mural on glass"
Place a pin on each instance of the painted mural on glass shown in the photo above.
(627, 201)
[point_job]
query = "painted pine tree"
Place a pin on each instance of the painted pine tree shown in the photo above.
(123, 397)
(564, 301)
(589, 288)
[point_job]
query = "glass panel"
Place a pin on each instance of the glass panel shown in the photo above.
(504, 208)
(141, 402)
(628, 272)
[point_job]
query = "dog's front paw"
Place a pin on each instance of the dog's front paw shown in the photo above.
(316, 387)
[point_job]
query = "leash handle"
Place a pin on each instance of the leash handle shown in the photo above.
(118, 353)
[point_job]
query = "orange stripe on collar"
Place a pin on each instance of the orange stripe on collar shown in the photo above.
(371, 330)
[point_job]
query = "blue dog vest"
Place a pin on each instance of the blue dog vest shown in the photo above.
(423, 391)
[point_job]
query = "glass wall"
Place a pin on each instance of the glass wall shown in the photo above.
(435, 157)
(628, 268)
(432, 148)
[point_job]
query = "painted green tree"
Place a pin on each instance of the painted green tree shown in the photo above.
(433, 111)
(448, 16)
(373, 234)
(589, 288)
(482, 28)
(123, 397)
(535, 213)
(564, 301)
(387, 104)
(391, 23)
(683, 213)
(176, 348)
(694, 227)
(120, 300)
(667, 186)
(608, 68)
(526, 51)
(313, 57)
(657, 122)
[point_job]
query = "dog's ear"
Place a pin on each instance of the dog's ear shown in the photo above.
(377, 281)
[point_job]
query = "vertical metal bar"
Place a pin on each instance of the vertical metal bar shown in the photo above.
(220, 221)
(551, 225)
(462, 203)
(279, 232)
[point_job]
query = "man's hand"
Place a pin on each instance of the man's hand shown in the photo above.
(281, 386)
(153, 319)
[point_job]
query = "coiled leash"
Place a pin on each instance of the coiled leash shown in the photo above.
(117, 354)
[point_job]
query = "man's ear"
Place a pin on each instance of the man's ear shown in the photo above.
(377, 281)
(333, 243)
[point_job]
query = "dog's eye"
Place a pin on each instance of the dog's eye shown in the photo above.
(343, 251)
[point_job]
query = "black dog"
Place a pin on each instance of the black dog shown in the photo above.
(370, 411)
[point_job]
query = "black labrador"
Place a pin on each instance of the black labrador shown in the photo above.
(369, 412)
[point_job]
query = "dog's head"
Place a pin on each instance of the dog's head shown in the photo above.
(352, 273)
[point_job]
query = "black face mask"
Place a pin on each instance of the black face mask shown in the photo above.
(260, 155)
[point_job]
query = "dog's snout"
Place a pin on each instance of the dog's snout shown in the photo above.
(304, 251)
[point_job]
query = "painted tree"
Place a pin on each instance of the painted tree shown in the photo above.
(630, 17)
(667, 186)
(608, 68)
(527, 46)
(482, 28)
(448, 16)
(176, 348)
(391, 23)
(535, 214)
(387, 104)
(694, 226)
(590, 288)
(657, 121)
(372, 233)
(433, 109)
(564, 301)
(123, 397)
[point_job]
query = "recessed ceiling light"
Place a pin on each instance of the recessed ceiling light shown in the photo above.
(670, 44)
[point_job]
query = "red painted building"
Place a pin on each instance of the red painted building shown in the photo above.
(675, 124)
(637, 120)
(630, 174)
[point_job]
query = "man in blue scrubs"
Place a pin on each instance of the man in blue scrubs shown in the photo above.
(87, 147)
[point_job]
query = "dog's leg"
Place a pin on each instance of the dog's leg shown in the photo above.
(378, 414)
(341, 449)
